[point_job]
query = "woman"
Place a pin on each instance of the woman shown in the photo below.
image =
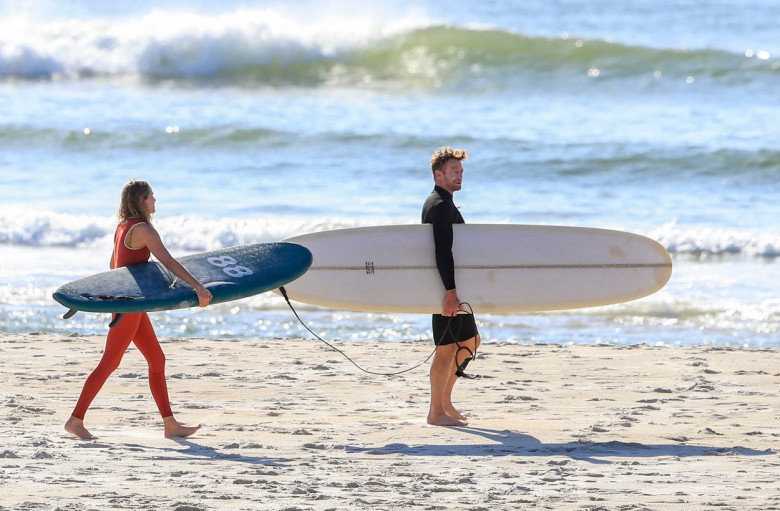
(134, 240)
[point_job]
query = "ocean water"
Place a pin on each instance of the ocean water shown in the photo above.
(256, 121)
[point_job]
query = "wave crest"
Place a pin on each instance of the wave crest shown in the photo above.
(266, 47)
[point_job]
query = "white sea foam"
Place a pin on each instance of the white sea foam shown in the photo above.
(176, 43)
(714, 241)
(194, 233)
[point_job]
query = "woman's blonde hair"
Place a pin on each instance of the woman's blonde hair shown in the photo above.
(130, 203)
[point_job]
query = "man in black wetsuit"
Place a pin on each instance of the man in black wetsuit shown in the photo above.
(455, 335)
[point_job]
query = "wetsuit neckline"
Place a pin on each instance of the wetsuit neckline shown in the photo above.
(444, 194)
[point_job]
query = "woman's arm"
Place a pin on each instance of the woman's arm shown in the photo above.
(144, 235)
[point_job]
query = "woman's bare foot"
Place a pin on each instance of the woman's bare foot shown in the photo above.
(174, 429)
(76, 427)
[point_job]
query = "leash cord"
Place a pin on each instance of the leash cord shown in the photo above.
(287, 299)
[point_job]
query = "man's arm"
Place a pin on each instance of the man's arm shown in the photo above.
(445, 262)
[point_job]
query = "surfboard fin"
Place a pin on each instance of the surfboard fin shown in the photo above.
(69, 314)
(117, 318)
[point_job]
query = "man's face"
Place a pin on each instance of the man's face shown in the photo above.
(450, 177)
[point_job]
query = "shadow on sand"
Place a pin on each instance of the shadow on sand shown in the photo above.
(203, 452)
(508, 443)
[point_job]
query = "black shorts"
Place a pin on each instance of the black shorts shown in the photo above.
(449, 330)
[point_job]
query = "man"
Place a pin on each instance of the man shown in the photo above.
(455, 335)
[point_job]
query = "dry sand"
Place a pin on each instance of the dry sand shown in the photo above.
(290, 424)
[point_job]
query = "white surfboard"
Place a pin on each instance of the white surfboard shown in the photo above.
(498, 268)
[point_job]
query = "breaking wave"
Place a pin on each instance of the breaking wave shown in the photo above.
(264, 47)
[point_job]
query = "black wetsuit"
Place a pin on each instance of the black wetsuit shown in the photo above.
(440, 210)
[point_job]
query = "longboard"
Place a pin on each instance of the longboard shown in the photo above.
(499, 268)
(229, 274)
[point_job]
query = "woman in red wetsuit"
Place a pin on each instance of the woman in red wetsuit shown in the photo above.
(134, 240)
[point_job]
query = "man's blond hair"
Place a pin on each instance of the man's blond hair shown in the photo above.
(443, 154)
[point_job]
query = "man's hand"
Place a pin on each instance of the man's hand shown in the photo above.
(451, 304)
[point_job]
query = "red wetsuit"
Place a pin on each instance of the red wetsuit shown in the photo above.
(134, 327)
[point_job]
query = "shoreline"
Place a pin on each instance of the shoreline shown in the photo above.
(291, 425)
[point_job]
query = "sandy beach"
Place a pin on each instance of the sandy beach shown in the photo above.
(290, 424)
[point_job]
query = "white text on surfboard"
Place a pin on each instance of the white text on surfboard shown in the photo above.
(227, 264)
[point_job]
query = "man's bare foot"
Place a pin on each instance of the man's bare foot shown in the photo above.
(76, 427)
(174, 429)
(452, 412)
(445, 420)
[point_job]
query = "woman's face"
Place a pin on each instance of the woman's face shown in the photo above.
(148, 202)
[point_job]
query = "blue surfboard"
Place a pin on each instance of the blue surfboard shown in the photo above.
(229, 274)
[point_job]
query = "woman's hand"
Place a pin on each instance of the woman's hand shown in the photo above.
(204, 296)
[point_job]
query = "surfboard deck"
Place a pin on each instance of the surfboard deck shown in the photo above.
(499, 268)
(229, 274)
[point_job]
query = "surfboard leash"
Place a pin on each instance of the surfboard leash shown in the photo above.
(460, 369)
